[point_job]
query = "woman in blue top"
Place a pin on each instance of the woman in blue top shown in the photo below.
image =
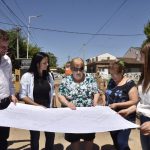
(121, 94)
(37, 89)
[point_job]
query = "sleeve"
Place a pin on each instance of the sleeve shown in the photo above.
(52, 82)
(63, 90)
(24, 86)
(94, 85)
(130, 85)
(11, 85)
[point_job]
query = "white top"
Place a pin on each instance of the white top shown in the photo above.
(6, 84)
(27, 86)
(144, 104)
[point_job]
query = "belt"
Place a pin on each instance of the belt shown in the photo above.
(5, 99)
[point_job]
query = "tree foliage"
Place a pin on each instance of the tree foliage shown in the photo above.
(52, 60)
(13, 35)
(147, 33)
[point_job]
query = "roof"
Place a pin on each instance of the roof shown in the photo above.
(130, 60)
(133, 52)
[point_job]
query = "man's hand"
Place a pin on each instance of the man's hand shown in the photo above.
(14, 99)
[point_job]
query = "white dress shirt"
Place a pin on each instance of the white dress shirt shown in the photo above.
(6, 84)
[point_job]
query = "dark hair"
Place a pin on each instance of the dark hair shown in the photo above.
(145, 76)
(118, 67)
(37, 58)
(3, 35)
(68, 63)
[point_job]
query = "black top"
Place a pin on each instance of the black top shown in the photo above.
(41, 92)
(117, 94)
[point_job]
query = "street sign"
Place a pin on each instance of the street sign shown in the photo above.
(25, 62)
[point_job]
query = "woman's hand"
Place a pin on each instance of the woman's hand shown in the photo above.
(127, 111)
(145, 128)
(124, 112)
(71, 106)
(113, 106)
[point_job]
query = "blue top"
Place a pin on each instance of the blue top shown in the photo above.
(117, 94)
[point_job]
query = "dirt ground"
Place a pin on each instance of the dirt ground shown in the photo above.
(20, 140)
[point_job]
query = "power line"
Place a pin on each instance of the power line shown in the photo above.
(25, 19)
(20, 10)
(81, 33)
(107, 21)
(11, 11)
(6, 16)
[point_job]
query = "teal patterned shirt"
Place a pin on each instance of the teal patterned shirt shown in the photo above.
(80, 94)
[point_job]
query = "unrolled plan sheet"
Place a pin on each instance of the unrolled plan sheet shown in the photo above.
(81, 120)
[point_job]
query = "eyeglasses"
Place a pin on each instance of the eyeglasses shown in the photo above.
(78, 69)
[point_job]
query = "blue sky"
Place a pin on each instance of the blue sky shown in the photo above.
(82, 16)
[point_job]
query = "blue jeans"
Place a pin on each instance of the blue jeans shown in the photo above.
(120, 139)
(49, 136)
(145, 139)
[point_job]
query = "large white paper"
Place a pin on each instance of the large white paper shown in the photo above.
(81, 120)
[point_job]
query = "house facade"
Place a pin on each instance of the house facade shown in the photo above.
(132, 60)
(100, 63)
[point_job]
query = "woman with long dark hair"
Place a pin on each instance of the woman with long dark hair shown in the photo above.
(143, 107)
(37, 89)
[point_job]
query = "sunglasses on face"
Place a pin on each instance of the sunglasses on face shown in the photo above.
(78, 69)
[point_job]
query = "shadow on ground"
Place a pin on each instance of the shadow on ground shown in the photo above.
(24, 147)
(108, 147)
(59, 146)
(17, 141)
(96, 147)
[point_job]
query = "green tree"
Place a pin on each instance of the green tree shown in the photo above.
(33, 49)
(52, 60)
(147, 33)
(13, 35)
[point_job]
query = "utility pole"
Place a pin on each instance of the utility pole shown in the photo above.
(18, 30)
(28, 38)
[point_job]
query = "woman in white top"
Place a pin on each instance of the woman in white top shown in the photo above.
(143, 107)
(37, 89)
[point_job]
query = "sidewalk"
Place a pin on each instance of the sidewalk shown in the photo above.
(19, 140)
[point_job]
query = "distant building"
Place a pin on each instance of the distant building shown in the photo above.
(132, 58)
(133, 52)
(100, 64)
